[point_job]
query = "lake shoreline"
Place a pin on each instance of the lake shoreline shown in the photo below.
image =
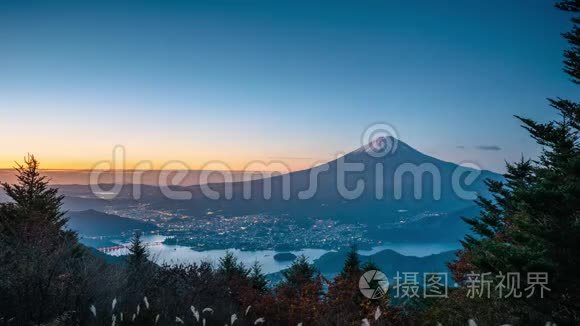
(176, 254)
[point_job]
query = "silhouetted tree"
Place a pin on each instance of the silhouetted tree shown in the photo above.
(572, 55)
(531, 223)
(299, 295)
(352, 264)
(345, 304)
(140, 270)
(231, 268)
(301, 272)
(35, 208)
(138, 255)
(44, 271)
(257, 278)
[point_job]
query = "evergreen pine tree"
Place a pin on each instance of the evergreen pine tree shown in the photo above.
(138, 255)
(139, 270)
(346, 304)
(36, 207)
(34, 250)
(531, 223)
(351, 266)
(231, 268)
(257, 278)
(300, 293)
(572, 55)
(300, 273)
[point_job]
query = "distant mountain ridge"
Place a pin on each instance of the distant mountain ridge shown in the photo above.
(388, 261)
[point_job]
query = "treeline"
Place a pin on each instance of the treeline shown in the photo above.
(48, 277)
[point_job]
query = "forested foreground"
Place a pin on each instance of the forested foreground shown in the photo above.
(530, 224)
(48, 277)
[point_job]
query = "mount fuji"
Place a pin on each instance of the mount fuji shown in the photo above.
(394, 180)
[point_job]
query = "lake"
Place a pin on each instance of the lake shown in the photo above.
(175, 254)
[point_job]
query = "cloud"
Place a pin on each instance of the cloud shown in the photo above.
(488, 148)
(460, 147)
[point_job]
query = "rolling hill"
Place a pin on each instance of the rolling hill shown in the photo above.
(389, 262)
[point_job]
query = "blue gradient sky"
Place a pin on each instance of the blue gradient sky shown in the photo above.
(254, 80)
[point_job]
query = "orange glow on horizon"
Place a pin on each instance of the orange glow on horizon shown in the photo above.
(268, 164)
